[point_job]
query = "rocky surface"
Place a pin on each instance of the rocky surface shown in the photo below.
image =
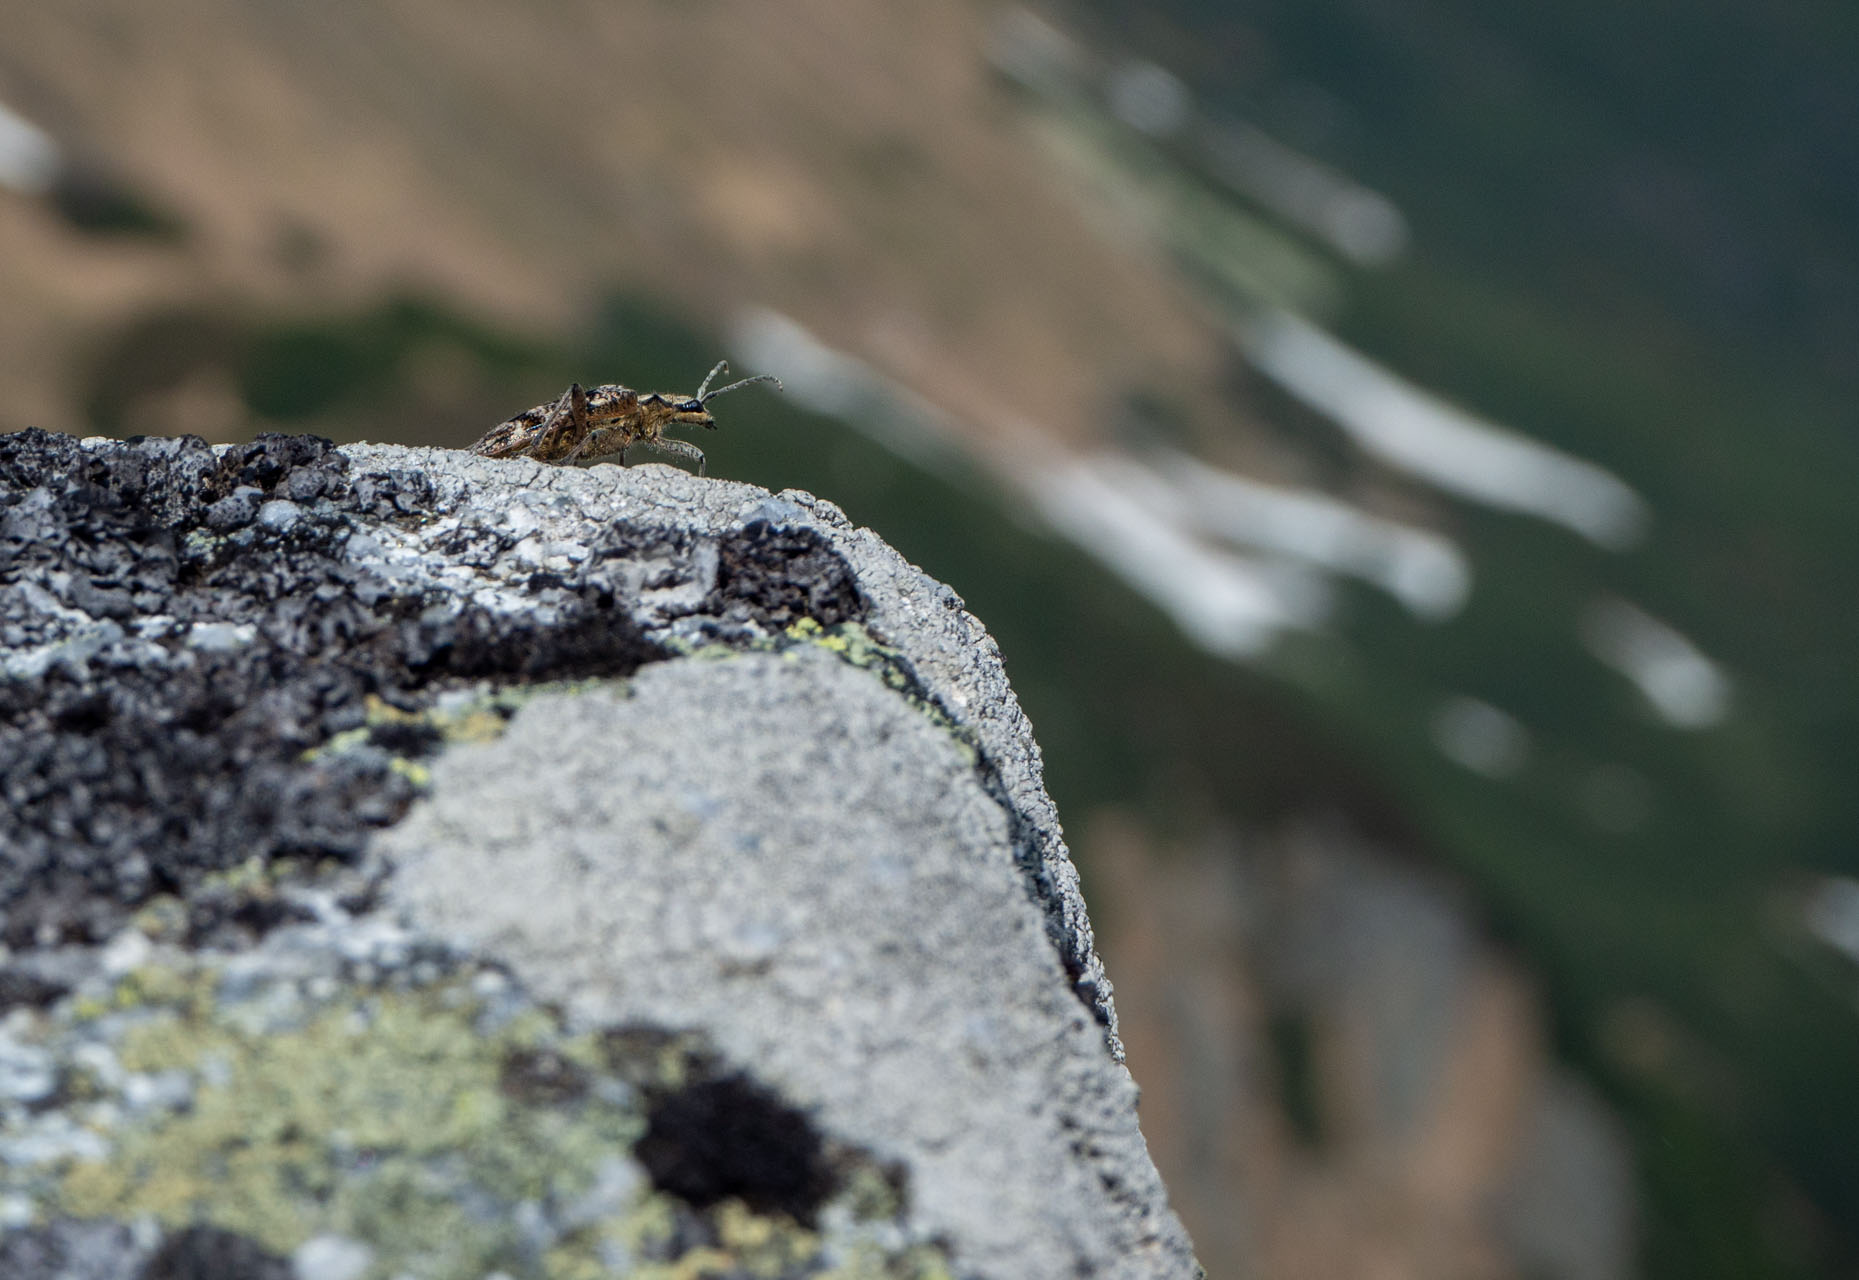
(417, 864)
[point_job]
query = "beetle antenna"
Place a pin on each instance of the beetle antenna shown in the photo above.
(760, 377)
(722, 366)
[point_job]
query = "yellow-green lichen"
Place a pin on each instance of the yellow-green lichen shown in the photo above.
(702, 651)
(174, 988)
(748, 1245)
(412, 770)
(869, 1194)
(87, 1007)
(255, 875)
(394, 1118)
(364, 1122)
(852, 643)
(162, 918)
(339, 744)
(476, 720)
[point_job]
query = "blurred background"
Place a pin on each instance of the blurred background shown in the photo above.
(1404, 448)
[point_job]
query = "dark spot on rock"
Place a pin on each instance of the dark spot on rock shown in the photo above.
(21, 989)
(541, 1077)
(585, 642)
(235, 919)
(714, 1139)
(208, 1253)
(409, 739)
(779, 575)
(82, 711)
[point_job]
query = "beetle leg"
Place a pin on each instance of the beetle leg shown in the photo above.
(682, 449)
(566, 424)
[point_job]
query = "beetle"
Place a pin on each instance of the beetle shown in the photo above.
(584, 425)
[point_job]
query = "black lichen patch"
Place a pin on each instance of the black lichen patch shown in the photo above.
(232, 916)
(409, 739)
(183, 631)
(20, 989)
(780, 574)
(715, 1139)
(208, 1253)
(179, 628)
(593, 639)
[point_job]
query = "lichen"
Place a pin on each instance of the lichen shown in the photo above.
(854, 644)
(182, 657)
(345, 1126)
(479, 718)
(452, 1138)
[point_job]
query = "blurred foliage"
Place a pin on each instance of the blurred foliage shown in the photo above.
(1680, 164)
(1637, 237)
(97, 204)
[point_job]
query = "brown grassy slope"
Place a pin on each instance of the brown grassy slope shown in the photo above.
(846, 161)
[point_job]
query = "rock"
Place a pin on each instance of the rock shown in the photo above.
(423, 863)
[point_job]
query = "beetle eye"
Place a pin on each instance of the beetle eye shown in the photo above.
(691, 406)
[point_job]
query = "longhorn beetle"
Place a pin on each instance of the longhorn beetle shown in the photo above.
(609, 420)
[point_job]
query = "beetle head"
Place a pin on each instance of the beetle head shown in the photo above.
(691, 413)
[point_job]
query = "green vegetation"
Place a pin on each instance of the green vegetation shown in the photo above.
(1633, 239)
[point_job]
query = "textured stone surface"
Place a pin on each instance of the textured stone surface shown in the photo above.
(701, 562)
(726, 922)
(862, 936)
(169, 657)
